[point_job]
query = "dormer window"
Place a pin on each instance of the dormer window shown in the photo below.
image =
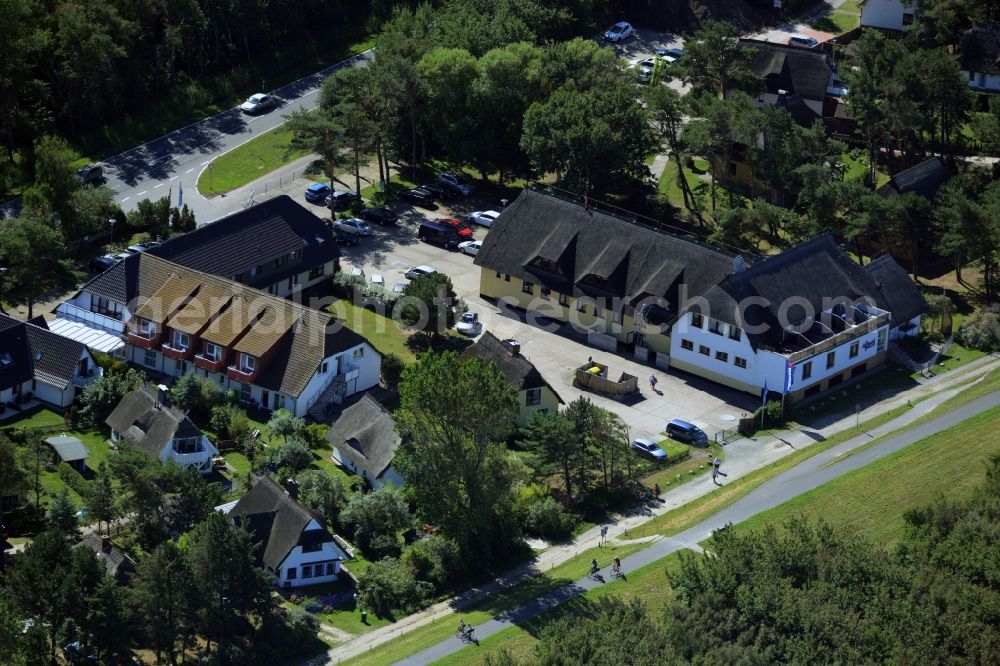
(547, 265)
(185, 445)
(181, 341)
(213, 352)
(596, 281)
(248, 363)
(6, 359)
(147, 328)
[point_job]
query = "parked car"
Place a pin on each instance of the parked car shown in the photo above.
(347, 238)
(440, 192)
(619, 31)
(647, 448)
(686, 432)
(456, 182)
(318, 193)
(353, 226)
(139, 248)
(671, 55)
(92, 174)
(462, 230)
(378, 279)
(418, 196)
(382, 216)
(123, 255)
(417, 271)
(439, 234)
(357, 272)
(644, 69)
(257, 103)
(399, 287)
(101, 264)
(341, 199)
(484, 218)
(802, 40)
(470, 248)
(468, 324)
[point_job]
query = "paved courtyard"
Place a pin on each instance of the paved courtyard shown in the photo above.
(391, 251)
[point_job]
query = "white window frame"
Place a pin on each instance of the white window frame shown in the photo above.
(248, 363)
(213, 352)
(181, 341)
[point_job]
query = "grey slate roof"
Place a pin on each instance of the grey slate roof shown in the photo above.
(366, 435)
(252, 237)
(898, 292)
(118, 565)
(979, 50)
(516, 369)
(924, 179)
(119, 283)
(147, 424)
(48, 356)
(794, 70)
(276, 521)
(637, 261)
(15, 354)
(814, 270)
(68, 448)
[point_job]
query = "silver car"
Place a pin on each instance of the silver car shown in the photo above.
(354, 226)
(258, 103)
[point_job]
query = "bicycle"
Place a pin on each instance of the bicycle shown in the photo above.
(467, 635)
(616, 572)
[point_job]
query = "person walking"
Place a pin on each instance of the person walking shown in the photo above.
(716, 463)
(652, 382)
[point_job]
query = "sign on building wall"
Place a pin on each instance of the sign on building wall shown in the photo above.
(789, 376)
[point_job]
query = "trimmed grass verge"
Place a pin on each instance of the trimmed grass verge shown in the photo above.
(253, 159)
(383, 333)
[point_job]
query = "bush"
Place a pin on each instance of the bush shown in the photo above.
(101, 396)
(293, 456)
(345, 283)
(74, 480)
(230, 422)
(773, 418)
(435, 559)
(387, 586)
(549, 520)
(392, 369)
(195, 394)
(981, 330)
(376, 519)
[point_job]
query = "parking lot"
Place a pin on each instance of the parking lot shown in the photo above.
(390, 251)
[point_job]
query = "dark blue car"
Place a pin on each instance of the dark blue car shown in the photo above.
(317, 193)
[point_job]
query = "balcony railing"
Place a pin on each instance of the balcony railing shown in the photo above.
(241, 375)
(95, 319)
(143, 340)
(836, 340)
(205, 363)
(175, 352)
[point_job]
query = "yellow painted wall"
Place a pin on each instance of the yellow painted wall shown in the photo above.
(549, 402)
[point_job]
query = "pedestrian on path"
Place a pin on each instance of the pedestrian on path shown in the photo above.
(715, 468)
(652, 383)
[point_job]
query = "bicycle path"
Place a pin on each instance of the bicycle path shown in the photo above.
(807, 475)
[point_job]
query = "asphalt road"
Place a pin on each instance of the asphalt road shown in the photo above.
(805, 476)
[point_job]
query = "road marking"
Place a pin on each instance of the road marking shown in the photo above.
(311, 92)
(126, 199)
(189, 170)
(205, 162)
(156, 186)
(141, 193)
(173, 179)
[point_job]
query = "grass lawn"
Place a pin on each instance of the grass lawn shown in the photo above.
(871, 501)
(383, 333)
(648, 583)
(674, 475)
(429, 634)
(668, 188)
(837, 22)
(39, 417)
(253, 159)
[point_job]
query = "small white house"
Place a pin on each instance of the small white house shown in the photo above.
(145, 419)
(887, 14)
(365, 440)
(294, 543)
(979, 58)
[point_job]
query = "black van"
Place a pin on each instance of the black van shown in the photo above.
(686, 432)
(439, 234)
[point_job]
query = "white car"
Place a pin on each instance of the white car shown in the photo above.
(468, 324)
(644, 69)
(470, 248)
(378, 279)
(357, 272)
(455, 182)
(618, 32)
(417, 271)
(399, 287)
(483, 218)
(257, 103)
(354, 226)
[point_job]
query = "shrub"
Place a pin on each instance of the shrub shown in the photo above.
(387, 586)
(345, 283)
(376, 519)
(981, 331)
(548, 519)
(74, 480)
(195, 394)
(435, 559)
(101, 396)
(293, 456)
(230, 422)
(392, 369)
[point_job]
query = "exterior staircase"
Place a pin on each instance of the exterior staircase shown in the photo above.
(322, 411)
(899, 355)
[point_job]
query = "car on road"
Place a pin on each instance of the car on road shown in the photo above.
(382, 216)
(671, 55)
(483, 218)
(92, 174)
(463, 230)
(468, 324)
(686, 432)
(619, 31)
(100, 264)
(318, 193)
(257, 103)
(647, 448)
(341, 199)
(418, 196)
(378, 279)
(417, 271)
(470, 248)
(353, 226)
(455, 182)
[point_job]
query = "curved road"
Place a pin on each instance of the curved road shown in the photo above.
(805, 476)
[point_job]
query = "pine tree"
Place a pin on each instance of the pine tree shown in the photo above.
(61, 515)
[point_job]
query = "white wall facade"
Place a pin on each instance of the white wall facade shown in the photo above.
(885, 14)
(982, 81)
(390, 475)
(201, 461)
(363, 358)
(329, 554)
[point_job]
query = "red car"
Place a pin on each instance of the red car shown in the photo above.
(463, 230)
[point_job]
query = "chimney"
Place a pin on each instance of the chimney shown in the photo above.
(163, 395)
(292, 488)
(739, 264)
(512, 346)
(105, 543)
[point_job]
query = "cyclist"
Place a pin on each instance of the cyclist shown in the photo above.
(616, 567)
(593, 567)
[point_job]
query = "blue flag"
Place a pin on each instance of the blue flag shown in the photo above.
(180, 195)
(763, 394)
